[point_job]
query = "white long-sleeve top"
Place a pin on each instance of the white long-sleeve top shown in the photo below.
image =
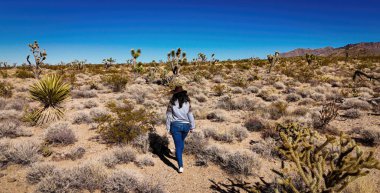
(184, 114)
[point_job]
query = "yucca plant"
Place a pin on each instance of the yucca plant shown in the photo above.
(50, 91)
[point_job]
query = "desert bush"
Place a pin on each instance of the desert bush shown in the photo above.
(328, 113)
(22, 152)
(218, 116)
(266, 148)
(51, 92)
(125, 155)
(254, 124)
(195, 143)
(304, 92)
(253, 89)
(17, 105)
(127, 181)
(145, 161)
(277, 109)
(141, 143)
(239, 81)
(97, 113)
(201, 98)
(218, 79)
(240, 103)
(117, 81)
(6, 89)
(352, 114)
(219, 89)
(90, 104)
(209, 132)
(82, 117)
(76, 153)
(87, 176)
(292, 97)
(367, 136)
(60, 133)
(12, 129)
(237, 90)
(83, 94)
(300, 111)
(126, 125)
(306, 101)
(225, 136)
(356, 104)
(329, 167)
(267, 95)
(317, 96)
(279, 85)
(21, 73)
(240, 133)
(38, 171)
(241, 163)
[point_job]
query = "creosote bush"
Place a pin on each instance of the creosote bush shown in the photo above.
(126, 124)
(116, 81)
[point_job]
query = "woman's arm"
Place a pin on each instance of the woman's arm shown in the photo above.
(169, 115)
(191, 118)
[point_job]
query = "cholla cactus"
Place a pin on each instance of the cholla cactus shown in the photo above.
(108, 62)
(310, 58)
(323, 167)
(273, 59)
(39, 58)
(174, 57)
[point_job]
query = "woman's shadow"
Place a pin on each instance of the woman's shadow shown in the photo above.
(159, 145)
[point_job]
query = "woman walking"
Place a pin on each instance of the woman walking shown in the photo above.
(179, 121)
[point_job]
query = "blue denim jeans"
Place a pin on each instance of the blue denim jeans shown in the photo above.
(179, 132)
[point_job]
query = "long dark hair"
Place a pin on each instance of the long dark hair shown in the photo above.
(182, 97)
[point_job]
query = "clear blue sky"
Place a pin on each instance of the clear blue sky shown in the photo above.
(95, 29)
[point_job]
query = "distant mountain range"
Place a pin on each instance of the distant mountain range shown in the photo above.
(354, 50)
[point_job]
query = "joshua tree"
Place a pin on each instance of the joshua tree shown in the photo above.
(202, 57)
(39, 58)
(135, 55)
(174, 57)
(79, 65)
(273, 59)
(213, 60)
(50, 91)
(108, 62)
(310, 58)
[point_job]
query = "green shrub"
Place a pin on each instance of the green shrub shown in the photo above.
(117, 81)
(126, 124)
(21, 73)
(4, 73)
(5, 89)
